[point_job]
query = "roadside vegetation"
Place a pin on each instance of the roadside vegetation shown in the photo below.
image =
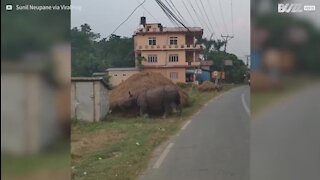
(120, 148)
(54, 161)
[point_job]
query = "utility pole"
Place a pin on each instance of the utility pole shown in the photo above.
(247, 74)
(247, 62)
(211, 36)
(226, 38)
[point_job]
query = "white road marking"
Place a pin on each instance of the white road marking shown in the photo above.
(163, 155)
(186, 124)
(247, 109)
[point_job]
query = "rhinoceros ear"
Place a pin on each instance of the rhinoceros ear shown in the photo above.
(130, 94)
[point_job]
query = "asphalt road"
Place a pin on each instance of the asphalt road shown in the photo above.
(214, 145)
(285, 140)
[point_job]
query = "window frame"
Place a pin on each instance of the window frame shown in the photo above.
(173, 58)
(152, 41)
(174, 75)
(173, 40)
(152, 58)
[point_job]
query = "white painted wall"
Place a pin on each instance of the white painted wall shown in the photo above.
(89, 101)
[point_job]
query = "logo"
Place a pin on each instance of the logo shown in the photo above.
(309, 8)
(290, 8)
(9, 7)
(295, 8)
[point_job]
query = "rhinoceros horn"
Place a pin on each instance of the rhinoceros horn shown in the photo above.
(130, 94)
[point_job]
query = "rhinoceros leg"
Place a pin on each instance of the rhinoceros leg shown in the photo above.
(143, 111)
(176, 109)
(166, 111)
(179, 109)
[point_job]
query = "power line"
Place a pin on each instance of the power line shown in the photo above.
(207, 16)
(127, 18)
(224, 23)
(171, 9)
(215, 20)
(203, 17)
(177, 11)
(167, 14)
(170, 13)
(174, 23)
(231, 7)
(163, 7)
(185, 6)
(148, 12)
(197, 15)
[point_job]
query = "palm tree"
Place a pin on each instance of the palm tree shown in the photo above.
(218, 44)
(210, 45)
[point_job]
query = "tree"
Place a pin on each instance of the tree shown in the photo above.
(210, 45)
(235, 73)
(91, 54)
(212, 52)
(218, 44)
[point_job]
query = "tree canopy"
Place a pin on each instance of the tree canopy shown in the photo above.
(212, 51)
(92, 54)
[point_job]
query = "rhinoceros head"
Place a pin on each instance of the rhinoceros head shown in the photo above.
(129, 102)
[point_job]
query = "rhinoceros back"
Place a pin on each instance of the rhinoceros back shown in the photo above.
(156, 99)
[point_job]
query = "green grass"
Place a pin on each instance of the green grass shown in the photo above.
(128, 156)
(57, 159)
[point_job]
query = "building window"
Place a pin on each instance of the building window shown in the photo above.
(152, 59)
(152, 41)
(115, 74)
(173, 40)
(174, 75)
(124, 75)
(173, 58)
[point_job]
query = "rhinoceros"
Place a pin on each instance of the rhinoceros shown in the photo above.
(162, 99)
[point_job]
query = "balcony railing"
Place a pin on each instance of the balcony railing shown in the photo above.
(169, 47)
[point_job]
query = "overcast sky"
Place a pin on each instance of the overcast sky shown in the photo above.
(105, 15)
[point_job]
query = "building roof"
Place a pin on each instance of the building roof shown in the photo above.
(197, 30)
(88, 79)
(123, 69)
(182, 29)
(95, 74)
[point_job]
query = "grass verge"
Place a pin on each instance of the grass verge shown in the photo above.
(54, 161)
(121, 147)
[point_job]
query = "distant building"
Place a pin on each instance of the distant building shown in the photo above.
(167, 50)
(117, 75)
(171, 51)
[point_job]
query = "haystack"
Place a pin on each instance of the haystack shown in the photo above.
(140, 81)
(207, 86)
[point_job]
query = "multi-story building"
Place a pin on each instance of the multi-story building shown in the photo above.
(171, 51)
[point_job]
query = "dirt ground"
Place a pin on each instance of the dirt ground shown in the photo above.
(82, 144)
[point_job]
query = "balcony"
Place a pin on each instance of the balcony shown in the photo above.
(165, 64)
(193, 63)
(169, 47)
